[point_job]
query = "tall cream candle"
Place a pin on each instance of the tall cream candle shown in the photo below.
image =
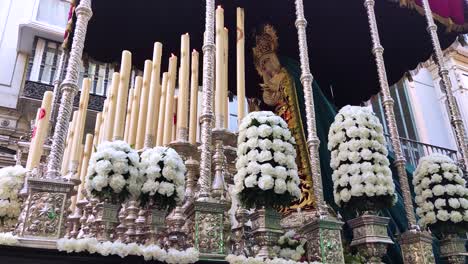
(174, 118)
(225, 78)
(40, 131)
(97, 130)
(194, 99)
(144, 106)
(219, 95)
(182, 104)
(78, 138)
(69, 143)
(88, 149)
(78, 172)
(125, 69)
(104, 128)
(162, 108)
(170, 100)
(135, 111)
(128, 115)
(154, 98)
(111, 107)
(240, 65)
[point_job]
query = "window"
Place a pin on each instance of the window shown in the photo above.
(402, 109)
(53, 12)
(44, 62)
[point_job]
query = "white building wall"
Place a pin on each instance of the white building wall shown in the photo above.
(13, 64)
(430, 116)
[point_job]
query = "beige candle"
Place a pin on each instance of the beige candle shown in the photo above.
(219, 101)
(154, 98)
(111, 107)
(135, 111)
(78, 172)
(225, 78)
(169, 100)
(162, 108)
(240, 65)
(97, 130)
(182, 104)
(88, 149)
(40, 131)
(193, 99)
(174, 118)
(104, 128)
(69, 143)
(144, 106)
(78, 138)
(128, 115)
(125, 68)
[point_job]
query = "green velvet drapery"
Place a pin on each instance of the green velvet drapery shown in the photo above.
(325, 113)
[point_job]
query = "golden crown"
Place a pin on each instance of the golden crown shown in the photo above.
(265, 43)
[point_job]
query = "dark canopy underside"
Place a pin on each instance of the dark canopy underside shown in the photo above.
(338, 36)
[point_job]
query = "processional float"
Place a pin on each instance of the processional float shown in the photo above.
(143, 117)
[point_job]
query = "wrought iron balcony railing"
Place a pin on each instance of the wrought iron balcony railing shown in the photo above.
(36, 90)
(414, 150)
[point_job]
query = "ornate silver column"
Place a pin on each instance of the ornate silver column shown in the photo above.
(57, 80)
(325, 227)
(207, 102)
(413, 238)
(454, 112)
(206, 214)
(69, 89)
(313, 141)
(49, 197)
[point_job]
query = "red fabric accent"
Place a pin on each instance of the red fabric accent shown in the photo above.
(175, 119)
(42, 113)
(448, 9)
(34, 132)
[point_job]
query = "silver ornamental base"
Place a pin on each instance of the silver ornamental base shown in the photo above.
(370, 236)
(157, 220)
(324, 240)
(45, 213)
(207, 218)
(416, 247)
(106, 221)
(452, 249)
(266, 230)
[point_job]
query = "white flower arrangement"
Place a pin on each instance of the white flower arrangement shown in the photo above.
(362, 178)
(11, 181)
(291, 246)
(234, 259)
(8, 239)
(149, 252)
(266, 162)
(163, 172)
(113, 172)
(441, 194)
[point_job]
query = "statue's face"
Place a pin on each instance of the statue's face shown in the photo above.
(269, 66)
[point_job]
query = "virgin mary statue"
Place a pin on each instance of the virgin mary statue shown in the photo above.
(282, 91)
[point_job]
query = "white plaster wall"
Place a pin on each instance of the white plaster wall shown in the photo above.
(12, 64)
(429, 112)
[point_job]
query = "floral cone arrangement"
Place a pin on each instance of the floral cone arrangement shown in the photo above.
(163, 174)
(291, 246)
(441, 195)
(113, 173)
(11, 181)
(266, 166)
(362, 179)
